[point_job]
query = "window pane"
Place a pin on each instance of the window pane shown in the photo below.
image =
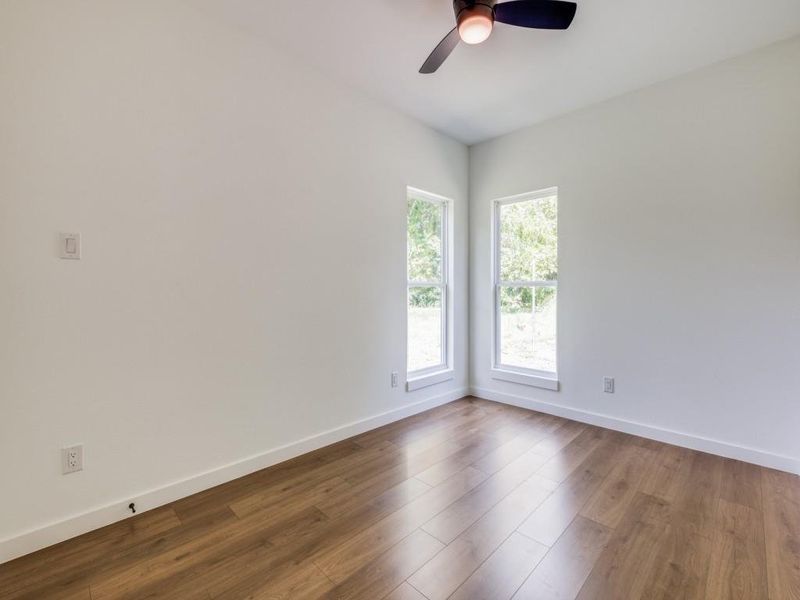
(424, 328)
(528, 327)
(528, 240)
(424, 240)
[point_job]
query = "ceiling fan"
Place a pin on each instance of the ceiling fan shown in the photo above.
(475, 18)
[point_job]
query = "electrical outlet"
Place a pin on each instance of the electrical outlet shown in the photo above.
(608, 385)
(395, 379)
(72, 459)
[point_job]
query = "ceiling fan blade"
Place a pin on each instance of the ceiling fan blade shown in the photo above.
(441, 52)
(538, 14)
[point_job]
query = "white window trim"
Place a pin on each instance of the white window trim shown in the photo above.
(521, 375)
(444, 371)
(432, 379)
(550, 382)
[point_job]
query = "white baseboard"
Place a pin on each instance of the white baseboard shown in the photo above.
(56, 532)
(676, 438)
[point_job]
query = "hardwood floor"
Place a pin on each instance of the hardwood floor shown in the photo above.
(472, 500)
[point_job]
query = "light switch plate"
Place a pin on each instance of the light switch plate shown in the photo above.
(69, 245)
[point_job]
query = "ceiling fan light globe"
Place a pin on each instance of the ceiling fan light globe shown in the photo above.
(475, 24)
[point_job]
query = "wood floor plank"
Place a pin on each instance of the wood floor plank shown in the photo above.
(402, 466)
(551, 519)
(440, 460)
(416, 457)
(331, 534)
(63, 591)
(681, 565)
(507, 425)
(271, 572)
(420, 442)
(482, 445)
(405, 592)
(303, 580)
(563, 571)
(610, 502)
(496, 484)
(738, 569)
(294, 529)
(395, 496)
(267, 499)
(383, 574)
(570, 458)
(522, 443)
(781, 495)
(560, 437)
(84, 554)
(78, 594)
(695, 506)
(682, 533)
(184, 565)
(340, 562)
(410, 430)
(623, 568)
(261, 575)
(504, 571)
(668, 476)
(180, 537)
(178, 566)
(741, 483)
(300, 470)
(442, 575)
(438, 416)
(224, 568)
(448, 524)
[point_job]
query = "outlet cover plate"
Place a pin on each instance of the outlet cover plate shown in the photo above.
(72, 459)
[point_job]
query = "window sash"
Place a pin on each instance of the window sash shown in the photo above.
(443, 283)
(443, 234)
(498, 332)
(529, 283)
(500, 283)
(443, 362)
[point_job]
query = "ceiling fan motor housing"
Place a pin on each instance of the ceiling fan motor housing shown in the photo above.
(466, 8)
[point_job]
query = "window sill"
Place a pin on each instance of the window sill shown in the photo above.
(540, 381)
(429, 379)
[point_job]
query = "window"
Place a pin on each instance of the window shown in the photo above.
(427, 267)
(526, 284)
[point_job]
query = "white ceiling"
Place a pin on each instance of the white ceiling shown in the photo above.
(519, 76)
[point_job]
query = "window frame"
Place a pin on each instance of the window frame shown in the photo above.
(513, 373)
(434, 373)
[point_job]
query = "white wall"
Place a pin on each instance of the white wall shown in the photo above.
(679, 251)
(243, 276)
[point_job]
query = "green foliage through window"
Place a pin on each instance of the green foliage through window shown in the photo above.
(424, 249)
(528, 250)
